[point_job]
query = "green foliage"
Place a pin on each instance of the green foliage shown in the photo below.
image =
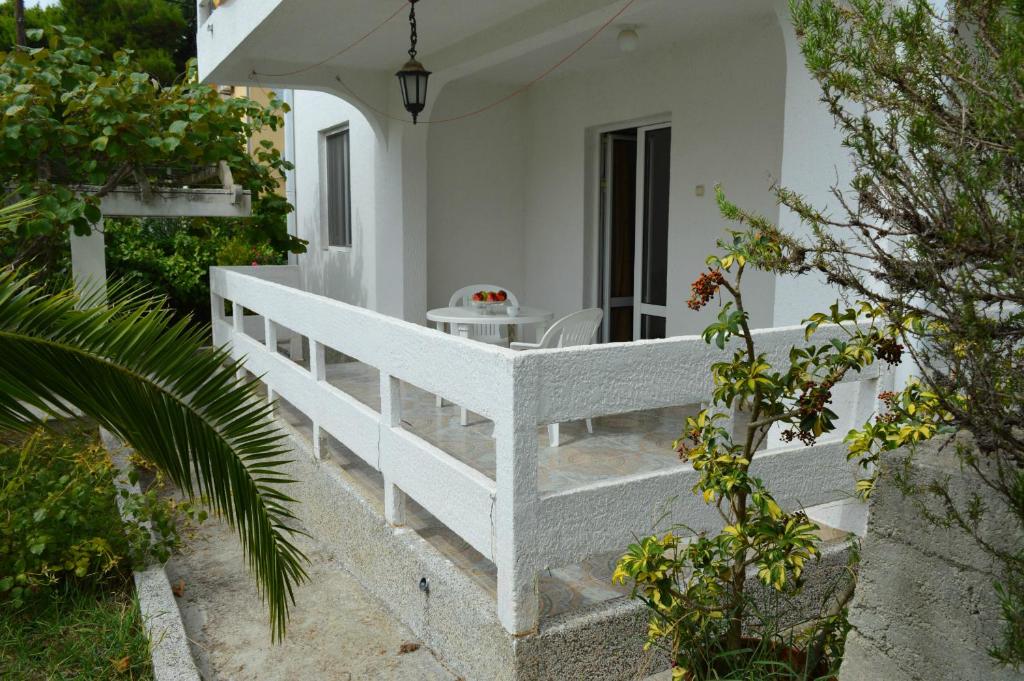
(71, 118)
(175, 255)
(160, 33)
(59, 520)
(149, 381)
(930, 105)
(696, 587)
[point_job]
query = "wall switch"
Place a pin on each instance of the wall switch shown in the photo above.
(700, 190)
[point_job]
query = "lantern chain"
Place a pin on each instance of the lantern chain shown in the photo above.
(412, 29)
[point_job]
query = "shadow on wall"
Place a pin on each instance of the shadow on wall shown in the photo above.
(336, 274)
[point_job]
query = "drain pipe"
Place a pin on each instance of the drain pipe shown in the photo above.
(289, 183)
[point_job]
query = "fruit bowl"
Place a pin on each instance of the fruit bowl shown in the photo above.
(489, 308)
(489, 302)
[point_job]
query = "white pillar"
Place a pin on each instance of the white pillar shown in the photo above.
(516, 509)
(89, 263)
(813, 160)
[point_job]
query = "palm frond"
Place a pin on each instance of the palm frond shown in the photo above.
(148, 380)
(11, 213)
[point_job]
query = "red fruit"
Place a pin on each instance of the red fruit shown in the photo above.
(502, 296)
(491, 297)
(478, 296)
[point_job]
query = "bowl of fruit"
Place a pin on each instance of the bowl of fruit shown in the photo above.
(490, 302)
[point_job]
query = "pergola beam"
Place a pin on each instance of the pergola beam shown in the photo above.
(88, 253)
(174, 203)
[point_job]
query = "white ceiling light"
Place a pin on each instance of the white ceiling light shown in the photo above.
(628, 40)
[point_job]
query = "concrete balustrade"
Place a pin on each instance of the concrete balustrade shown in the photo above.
(507, 519)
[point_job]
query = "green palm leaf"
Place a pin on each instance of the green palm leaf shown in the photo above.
(148, 380)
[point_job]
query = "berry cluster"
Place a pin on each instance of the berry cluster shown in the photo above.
(704, 289)
(805, 436)
(814, 397)
(683, 447)
(811, 402)
(891, 401)
(888, 350)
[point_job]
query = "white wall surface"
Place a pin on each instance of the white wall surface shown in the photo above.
(475, 194)
(511, 194)
(723, 95)
(344, 274)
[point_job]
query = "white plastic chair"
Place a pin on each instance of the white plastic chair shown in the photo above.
(495, 334)
(578, 328)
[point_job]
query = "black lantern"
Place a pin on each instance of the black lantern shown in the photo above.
(413, 77)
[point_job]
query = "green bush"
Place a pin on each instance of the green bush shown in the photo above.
(174, 255)
(59, 519)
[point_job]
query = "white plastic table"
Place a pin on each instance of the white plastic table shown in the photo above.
(461, 320)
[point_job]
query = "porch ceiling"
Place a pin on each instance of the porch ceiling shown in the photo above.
(659, 23)
(511, 40)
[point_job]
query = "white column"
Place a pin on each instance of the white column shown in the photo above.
(89, 263)
(813, 160)
(391, 417)
(401, 212)
(318, 369)
(516, 510)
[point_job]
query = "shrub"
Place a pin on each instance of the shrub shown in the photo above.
(59, 519)
(695, 583)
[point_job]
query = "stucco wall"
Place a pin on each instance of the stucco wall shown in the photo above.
(925, 609)
(475, 194)
(724, 95)
(511, 194)
(345, 274)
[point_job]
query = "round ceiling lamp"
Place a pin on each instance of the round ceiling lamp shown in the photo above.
(628, 40)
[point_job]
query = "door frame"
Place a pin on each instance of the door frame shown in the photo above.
(640, 308)
(593, 257)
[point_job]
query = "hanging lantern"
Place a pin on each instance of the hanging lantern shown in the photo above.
(413, 77)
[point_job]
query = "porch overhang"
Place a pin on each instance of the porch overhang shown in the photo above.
(303, 44)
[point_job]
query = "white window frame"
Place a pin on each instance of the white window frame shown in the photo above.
(325, 188)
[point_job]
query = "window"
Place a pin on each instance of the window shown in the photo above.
(338, 189)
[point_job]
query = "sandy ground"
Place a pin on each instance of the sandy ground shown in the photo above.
(337, 631)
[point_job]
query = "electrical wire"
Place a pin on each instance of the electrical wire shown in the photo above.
(339, 52)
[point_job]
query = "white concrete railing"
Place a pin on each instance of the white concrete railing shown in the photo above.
(508, 519)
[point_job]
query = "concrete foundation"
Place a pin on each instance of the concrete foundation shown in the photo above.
(456, 617)
(925, 608)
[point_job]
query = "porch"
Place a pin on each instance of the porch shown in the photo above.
(534, 526)
(505, 178)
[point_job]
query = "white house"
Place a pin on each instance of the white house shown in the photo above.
(568, 151)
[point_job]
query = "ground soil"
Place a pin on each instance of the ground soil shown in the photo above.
(338, 631)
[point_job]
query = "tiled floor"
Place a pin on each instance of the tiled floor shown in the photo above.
(620, 445)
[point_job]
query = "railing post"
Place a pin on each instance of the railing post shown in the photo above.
(318, 369)
(865, 404)
(517, 503)
(238, 324)
(216, 316)
(391, 417)
(270, 338)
